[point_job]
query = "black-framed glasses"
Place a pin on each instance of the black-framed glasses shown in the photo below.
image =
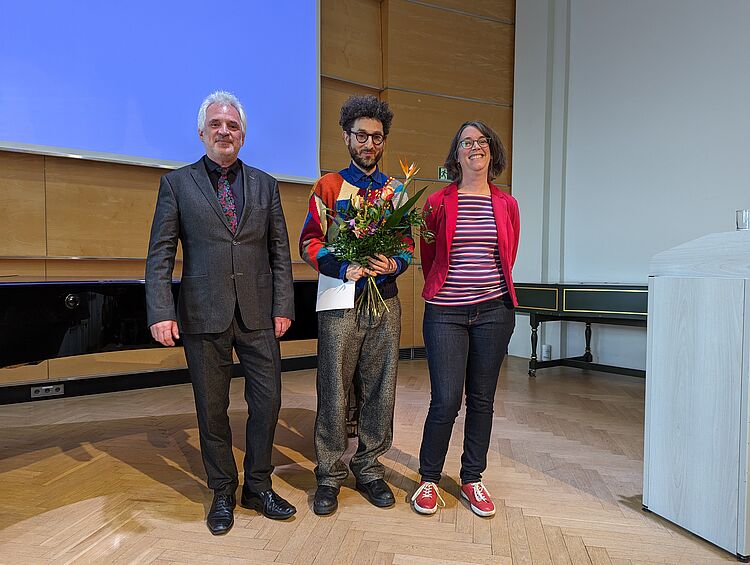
(362, 136)
(468, 143)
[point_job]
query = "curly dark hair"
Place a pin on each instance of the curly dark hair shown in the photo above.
(358, 106)
(497, 152)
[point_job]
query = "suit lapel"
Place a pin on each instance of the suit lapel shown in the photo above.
(250, 191)
(200, 176)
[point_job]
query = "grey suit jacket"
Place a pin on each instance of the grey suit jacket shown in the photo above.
(251, 268)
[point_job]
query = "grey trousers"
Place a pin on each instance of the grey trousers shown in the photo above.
(209, 358)
(371, 351)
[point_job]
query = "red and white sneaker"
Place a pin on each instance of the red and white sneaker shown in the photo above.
(479, 498)
(426, 499)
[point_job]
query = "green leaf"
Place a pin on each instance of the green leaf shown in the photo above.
(394, 219)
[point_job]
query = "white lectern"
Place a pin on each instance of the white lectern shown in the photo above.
(698, 389)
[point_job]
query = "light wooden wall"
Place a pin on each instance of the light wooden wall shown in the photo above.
(438, 63)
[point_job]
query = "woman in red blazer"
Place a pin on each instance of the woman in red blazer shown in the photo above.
(469, 315)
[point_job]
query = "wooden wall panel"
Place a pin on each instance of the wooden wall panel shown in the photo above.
(431, 50)
(418, 306)
(504, 10)
(24, 374)
(301, 271)
(22, 268)
(350, 41)
(22, 219)
(294, 200)
(418, 312)
(431, 188)
(424, 125)
(117, 363)
(299, 348)
(333, 153)
(99, 209)
(61, 269)
(406, 297)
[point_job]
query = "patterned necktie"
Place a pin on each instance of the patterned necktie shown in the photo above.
(226, 199)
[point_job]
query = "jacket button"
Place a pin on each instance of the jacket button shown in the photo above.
(235, 242)
(231, 276)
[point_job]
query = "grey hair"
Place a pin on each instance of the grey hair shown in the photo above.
(221, 97)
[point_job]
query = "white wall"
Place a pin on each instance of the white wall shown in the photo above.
(646, 116)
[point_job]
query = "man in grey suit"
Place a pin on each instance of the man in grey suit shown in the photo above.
(236, 292)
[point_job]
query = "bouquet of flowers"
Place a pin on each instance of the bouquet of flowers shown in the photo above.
(376, 224)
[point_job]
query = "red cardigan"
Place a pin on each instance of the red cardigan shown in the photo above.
(441, 220)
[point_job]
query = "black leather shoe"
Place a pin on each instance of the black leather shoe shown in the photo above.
(377, 492)
(220, 517)
(325, 501)
(268, 503)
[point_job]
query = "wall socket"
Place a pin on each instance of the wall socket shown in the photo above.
(47, 390)
(546, 352)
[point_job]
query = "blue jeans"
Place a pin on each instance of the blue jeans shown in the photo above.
(465, 348)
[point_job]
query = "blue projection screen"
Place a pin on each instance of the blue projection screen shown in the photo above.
(123, 81)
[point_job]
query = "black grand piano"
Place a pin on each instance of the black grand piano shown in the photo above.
(43, 319)
(46, 319)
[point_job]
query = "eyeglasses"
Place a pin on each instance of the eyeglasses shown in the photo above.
(362, 136)
(468, 143)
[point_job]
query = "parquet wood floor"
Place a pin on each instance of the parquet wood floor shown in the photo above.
(117, 478)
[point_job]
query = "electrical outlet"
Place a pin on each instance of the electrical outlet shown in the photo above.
(47, 390)
(546, 353)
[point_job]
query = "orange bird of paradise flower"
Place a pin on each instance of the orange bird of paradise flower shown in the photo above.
(408, 170)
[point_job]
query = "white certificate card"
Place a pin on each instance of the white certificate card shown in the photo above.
(334, 294)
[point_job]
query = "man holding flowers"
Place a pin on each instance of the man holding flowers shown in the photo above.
(361, 341)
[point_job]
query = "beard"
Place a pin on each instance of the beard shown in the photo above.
(367, 162)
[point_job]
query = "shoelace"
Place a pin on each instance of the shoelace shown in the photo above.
(427, 488)
(271, 498)
(223, 502)
(479, 490)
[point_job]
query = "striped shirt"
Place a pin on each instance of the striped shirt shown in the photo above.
(474, 271)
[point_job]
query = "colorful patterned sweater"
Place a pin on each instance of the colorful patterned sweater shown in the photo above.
(333, 191)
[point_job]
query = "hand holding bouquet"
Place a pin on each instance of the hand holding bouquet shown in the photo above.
(378, 224)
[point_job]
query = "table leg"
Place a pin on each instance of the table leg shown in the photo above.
(534, 340)
(587, 356)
